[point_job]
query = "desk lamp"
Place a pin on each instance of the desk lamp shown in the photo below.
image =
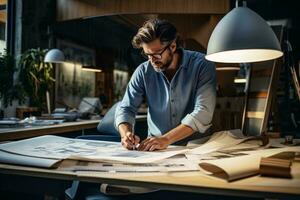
(242, 36)
(53, 56)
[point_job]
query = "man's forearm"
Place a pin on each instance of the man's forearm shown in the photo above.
(124, 127)
(178, 133)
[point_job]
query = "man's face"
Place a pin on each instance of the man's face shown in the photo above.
(160, 55)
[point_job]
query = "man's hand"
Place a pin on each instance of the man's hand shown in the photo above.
(130, 141)
(154, 143)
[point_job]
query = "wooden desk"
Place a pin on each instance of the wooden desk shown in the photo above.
(27, 132)
(180, 181)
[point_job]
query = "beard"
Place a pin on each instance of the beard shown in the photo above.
(160, 66)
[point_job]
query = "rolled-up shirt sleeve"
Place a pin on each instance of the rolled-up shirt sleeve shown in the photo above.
(133, 97)
(200, 118)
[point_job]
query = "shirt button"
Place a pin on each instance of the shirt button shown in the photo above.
(173, 115)
(172, 100)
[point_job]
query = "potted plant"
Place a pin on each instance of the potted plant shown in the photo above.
(9, 90)
(36, 76)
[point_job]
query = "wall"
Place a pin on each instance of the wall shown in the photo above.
(37, 16)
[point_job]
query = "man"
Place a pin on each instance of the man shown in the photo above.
(179, 86)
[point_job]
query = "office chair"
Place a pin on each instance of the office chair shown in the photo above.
(106, 129)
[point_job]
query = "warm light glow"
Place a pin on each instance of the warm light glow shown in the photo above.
(91, 70)
(227, 68)
(244, 56)
(240, 80)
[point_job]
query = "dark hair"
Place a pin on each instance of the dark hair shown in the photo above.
(155, 29)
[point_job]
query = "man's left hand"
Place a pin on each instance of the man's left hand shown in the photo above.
(153, 143)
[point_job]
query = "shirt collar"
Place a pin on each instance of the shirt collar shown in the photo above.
(184, 58)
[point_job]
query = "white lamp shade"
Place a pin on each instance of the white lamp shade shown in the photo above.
(242, 36)
(54, 56)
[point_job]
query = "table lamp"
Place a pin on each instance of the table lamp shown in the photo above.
(54, 56)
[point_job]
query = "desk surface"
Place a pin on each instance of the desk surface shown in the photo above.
(179, 181)
(19, 133)
(27, 132)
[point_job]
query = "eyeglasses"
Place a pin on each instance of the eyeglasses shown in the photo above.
(155, 55)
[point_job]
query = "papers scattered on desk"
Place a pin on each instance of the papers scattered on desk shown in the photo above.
(222, 140)
(29, 122)
(11, 158)
(9, 123)
(230, 155)
(227, 154)
(174, 164)
(55, 147)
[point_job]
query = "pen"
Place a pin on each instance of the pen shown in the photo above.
(133, 145)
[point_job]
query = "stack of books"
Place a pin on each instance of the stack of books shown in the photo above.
(278, 165)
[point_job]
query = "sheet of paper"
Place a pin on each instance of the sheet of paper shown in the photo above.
(56, 147)
(167, 165)
(11, 158)
(244, 148)
(221, 140)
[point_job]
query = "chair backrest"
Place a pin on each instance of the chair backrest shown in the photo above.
(106, 125)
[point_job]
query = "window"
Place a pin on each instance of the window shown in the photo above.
(3, 20)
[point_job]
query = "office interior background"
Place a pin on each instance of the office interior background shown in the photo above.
(90, 36)
(96, 35)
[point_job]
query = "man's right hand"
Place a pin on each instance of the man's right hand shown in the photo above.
(130, 141)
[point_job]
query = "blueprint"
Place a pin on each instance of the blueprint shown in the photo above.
(55, 147)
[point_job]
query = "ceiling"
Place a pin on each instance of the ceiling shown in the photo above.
(116, 31)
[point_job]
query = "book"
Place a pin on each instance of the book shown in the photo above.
(278, 165)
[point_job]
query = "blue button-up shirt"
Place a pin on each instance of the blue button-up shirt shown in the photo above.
(188, 99)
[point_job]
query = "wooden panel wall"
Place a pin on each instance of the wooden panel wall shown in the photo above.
(73, 9)
(3, 12)
(3, 16)
(3, 2)
(194, 27)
